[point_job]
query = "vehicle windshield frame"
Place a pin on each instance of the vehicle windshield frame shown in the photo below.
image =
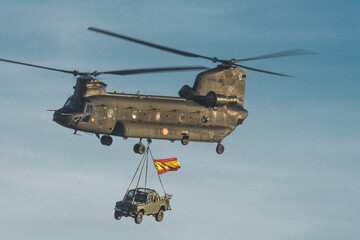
(139, 197)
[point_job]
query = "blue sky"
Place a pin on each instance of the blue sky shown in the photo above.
(291, 171)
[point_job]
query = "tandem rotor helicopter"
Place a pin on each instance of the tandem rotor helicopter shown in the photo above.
(206, 112)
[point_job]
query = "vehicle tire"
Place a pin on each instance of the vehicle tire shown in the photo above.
(159, 216)
(117, 215)
(220, 148)
(138, 218)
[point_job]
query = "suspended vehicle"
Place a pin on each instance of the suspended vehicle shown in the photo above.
(139, 202)
(208, 111)
(143, 201)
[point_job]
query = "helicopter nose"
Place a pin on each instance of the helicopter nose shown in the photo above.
(60, 118)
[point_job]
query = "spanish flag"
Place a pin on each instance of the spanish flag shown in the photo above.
(165, 165)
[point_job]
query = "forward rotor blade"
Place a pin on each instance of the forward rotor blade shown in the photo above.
(183, 53)
(295, 52)
(37, 66)
(152, 70)
(263, 71)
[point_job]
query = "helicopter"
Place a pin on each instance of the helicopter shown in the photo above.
(208, 111)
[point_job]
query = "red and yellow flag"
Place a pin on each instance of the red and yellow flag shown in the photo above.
(165, 165)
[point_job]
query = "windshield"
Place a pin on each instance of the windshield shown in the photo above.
(140, 196)
(74, 105)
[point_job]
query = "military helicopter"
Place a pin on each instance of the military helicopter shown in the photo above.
(206, 112)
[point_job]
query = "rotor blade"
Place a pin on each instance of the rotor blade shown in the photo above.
(295, 52)
(151, 70)
(187, 54)
(37, 66)
(263, 71)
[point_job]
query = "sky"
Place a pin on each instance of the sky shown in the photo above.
(291, 171)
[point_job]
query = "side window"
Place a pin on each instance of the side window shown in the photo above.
(86, 118)
(150, 198)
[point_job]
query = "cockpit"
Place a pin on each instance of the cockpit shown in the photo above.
(74, 111)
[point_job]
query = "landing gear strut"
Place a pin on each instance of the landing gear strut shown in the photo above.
(139, 148)
(106, 140)
(220, 148)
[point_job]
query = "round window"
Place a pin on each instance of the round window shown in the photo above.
(204, 119)
(157, 116)
(181, 117)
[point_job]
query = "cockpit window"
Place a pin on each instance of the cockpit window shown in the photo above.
(67, 103)
(89, 108)
(74, 105)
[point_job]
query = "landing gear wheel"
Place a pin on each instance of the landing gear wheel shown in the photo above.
(117, 215)
(136, 147)
(185, 140)
(139, 148)
(159, 216)
(138, 218)
(220, 148)
(103, 140)
(106, 140)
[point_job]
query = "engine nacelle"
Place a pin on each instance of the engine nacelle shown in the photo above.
(214, 100)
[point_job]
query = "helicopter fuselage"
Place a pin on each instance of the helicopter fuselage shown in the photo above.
(206, 112)
(152, 117)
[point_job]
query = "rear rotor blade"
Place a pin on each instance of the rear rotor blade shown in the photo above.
(152, 70)
(295, 52)
(263, 71)
(183, 53)
(38, 66)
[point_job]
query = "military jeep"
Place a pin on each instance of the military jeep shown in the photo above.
(142, 201)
